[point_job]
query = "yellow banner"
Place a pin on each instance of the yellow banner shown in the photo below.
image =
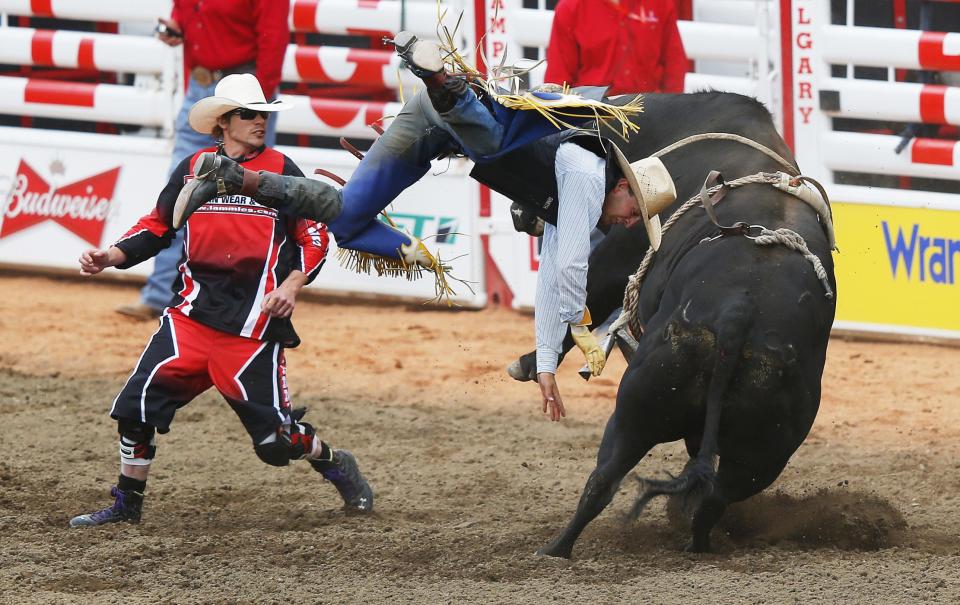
(898, 266)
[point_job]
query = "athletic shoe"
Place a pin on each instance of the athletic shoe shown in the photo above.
(126, 507)
(344, 474)
(139, 311)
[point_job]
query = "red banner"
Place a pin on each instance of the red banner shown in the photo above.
(81, 207)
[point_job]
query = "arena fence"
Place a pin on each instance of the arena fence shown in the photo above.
(66, 191)
(894, 198)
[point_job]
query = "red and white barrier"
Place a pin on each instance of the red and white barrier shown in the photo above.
(334, 117)
(89, 10)
(812, 96)
(340, 65)
(366, 16)
(885, 47)
(69, 49)
(715, 41)
(131, 105)
(82, 101)
(893, 101)
(328, 65)
(875, 154)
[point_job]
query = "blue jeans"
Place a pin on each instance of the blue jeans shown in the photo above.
(419, 133)
(186, 141)
(400, 157)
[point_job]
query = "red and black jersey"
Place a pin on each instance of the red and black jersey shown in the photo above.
(235, 252)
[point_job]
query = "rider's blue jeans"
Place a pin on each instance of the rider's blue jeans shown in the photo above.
(400, 157)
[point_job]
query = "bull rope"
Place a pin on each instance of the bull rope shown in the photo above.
(729, 136)
(791, 239)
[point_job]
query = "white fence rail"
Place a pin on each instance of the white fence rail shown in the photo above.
(886, 47)
(69, 49)
(144, 104)
(891, 101)
(131, 105)
(875, 154)
(334, 117)
(353, 16)
(80, 101)
(341, 65)
(87, 10)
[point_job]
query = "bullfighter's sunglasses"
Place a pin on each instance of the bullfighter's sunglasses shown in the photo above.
(249, 114)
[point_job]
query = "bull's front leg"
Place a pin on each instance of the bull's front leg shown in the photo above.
(618, 454)
(597, 494)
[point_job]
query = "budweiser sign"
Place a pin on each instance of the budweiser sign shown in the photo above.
(81, 207)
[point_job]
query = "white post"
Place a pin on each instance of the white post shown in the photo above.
(171, 85)
(807, 19)
(764, 66)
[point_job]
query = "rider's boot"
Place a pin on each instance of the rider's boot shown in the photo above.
(216, 175)
(425, 59)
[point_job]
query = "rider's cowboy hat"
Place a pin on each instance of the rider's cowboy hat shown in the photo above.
(653, 187)
(233, 92)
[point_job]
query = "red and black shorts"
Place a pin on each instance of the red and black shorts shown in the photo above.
(185, 358)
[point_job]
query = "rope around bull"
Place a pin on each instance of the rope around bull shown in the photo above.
(729, 136)
(791, 239)
(767, 237)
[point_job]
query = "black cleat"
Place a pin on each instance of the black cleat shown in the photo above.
(344, 474)
(126, 507)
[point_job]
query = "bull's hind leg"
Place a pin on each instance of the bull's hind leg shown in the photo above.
(735, 482)
(616, 457)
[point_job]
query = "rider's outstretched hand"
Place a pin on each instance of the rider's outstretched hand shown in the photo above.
(552, 402)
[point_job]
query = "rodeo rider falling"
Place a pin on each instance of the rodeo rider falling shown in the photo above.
(542, 149)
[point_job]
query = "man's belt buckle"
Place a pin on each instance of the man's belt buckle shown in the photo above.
(205, 77)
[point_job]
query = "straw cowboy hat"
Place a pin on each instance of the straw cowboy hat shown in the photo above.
(233, 92)
(653, 187)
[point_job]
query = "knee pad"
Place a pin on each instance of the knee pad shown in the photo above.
(276, 451)
(293, 443)
(138, 444)
(303, 440)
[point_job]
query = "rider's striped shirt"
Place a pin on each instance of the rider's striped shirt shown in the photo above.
(562, 277)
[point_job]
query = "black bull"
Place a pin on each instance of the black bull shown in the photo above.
(735, 333)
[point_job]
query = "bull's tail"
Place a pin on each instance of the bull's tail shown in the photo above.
(699, 475)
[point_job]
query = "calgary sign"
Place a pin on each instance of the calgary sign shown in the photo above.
(81, 207)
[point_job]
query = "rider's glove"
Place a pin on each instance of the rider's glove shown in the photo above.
(587, 343)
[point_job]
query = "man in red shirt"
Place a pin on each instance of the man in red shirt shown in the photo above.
(629, 45)
(222, 36)
(241, 267)
(219, 37)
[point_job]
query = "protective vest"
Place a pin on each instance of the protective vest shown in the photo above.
(528, 175)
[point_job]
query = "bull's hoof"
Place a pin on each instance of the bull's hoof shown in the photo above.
(697, 547)
(515, 370)
(556, 549)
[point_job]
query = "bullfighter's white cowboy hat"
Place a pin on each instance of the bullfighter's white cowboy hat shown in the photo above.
(233, 92)
(653, 187)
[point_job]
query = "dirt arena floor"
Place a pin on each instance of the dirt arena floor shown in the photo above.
(470, 478)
